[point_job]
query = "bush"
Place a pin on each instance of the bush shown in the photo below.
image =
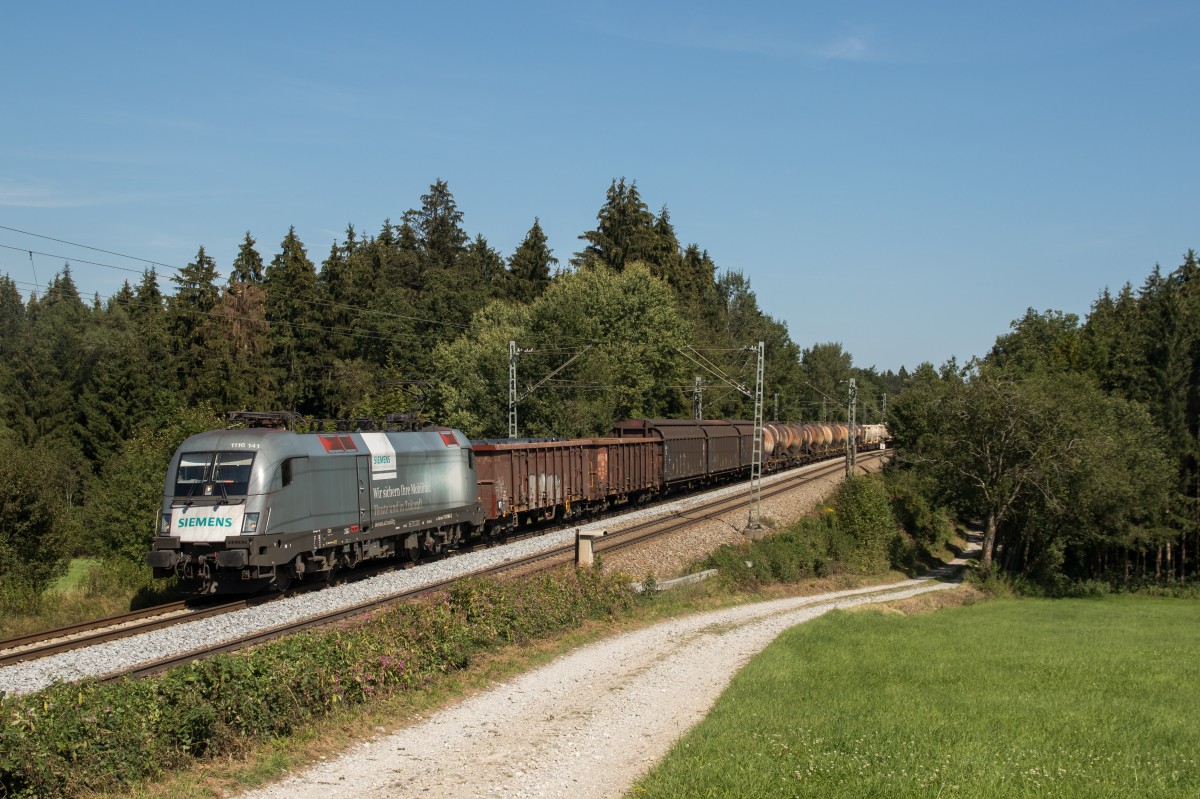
(91, 736)
(857, 533)
(796, 553)
(930, 527)
(864, 513)
(33, 522)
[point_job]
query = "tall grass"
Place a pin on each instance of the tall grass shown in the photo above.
(89, 590)
(1079, 698)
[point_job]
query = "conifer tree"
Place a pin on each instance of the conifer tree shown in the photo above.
(698, 290)
(52, 371)
(529, 266)
(625, 230)
(438, 227)
(12, 336)
(665, 258)
(343, 287)
(483, 270)
(246, 383)
(248, 265)
(148, 298)
(12, 317)
(195, 329)
(294, 314)
(197, 291)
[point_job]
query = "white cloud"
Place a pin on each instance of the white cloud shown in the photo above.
(846, 48)
(38, 195)
(787, 38)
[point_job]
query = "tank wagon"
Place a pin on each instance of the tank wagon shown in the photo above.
(248, 509)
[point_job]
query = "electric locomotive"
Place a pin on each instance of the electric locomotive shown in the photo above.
(248, 509)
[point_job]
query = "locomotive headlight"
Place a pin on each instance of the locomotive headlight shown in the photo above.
(164, 527)
(250, 523)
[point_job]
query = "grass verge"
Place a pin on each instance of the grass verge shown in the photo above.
(1009, 698)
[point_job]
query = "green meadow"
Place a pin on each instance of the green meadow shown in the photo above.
(1010, 698)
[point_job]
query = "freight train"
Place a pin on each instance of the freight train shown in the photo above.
(255, 508)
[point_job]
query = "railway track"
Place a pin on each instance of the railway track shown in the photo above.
(641, 532)
(88, 634)
(635, 534)
(111, 628)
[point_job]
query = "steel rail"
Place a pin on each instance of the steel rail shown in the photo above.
(112, 628)
(537, 562)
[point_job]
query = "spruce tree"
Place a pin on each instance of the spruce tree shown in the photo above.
(248, 265)
(294, 304)
(438, 227)
(148, 298)
(195, 329)
(625, 230)
(529, 266)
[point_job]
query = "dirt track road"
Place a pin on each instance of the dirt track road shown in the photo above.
(586, 725)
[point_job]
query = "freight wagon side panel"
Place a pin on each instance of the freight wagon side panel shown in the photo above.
(724, 447)
(685, 453)
(532, 476)
(627, 466)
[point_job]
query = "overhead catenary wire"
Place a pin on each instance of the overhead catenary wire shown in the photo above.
(70, 259)
(329, 303)
(85, 247)
(693, 353)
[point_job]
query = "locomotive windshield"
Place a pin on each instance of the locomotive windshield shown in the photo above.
(213, 474)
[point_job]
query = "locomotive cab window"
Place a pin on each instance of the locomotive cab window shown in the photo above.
(213, 474)
(287, 471)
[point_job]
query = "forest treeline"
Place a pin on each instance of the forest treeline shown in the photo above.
(95, 393)
(1075, 443)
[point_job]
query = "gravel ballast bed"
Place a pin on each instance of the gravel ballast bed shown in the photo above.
(671, 555)
(126, 653)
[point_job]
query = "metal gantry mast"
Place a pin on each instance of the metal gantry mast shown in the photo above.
(755, 522)
(512, 389)
(851, 449)
(757, 453)
(513, 398)
(698, 399)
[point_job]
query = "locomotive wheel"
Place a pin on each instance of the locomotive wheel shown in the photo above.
(283, 579)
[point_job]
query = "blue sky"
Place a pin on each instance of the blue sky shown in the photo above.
(905, 178)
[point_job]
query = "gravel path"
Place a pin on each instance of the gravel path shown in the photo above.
(586, 725)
